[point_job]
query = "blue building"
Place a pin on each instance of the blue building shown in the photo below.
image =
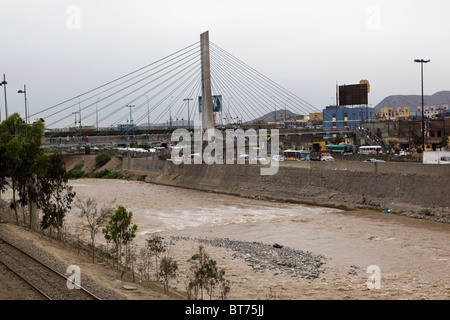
(335, 117)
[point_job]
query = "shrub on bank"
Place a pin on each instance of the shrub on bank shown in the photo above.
(101, 159)
(76, 172)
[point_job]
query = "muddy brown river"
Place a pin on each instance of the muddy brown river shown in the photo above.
(368, 254)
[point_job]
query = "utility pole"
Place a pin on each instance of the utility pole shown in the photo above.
(421, 61)
(79, 111)
(189, 118)
(24, 91)
(4, 83)
(130, 106)
(75, 113)
(96, 112)
(148, 113)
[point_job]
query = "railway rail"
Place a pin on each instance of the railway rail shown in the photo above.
(49, 283)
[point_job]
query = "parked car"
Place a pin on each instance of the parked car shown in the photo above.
(403, 153)
(373, 160)
(258, 158)
(278, 158)
(326, 157)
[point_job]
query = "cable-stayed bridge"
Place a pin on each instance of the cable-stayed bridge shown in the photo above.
(167, 92)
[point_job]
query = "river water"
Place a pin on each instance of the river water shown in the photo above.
(412, 256)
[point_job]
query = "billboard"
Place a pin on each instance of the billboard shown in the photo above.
(355, 94)
(216, 103)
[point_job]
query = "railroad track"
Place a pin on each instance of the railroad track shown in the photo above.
(49, 283)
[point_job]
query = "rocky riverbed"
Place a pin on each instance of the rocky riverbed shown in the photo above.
(265, 257)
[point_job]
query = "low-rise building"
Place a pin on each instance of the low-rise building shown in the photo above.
(335, 117)
(433, 111)
(388, 113)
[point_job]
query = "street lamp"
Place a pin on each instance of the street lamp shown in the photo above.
(148, 113)
(4, 83)
(96, 112)
(130, 106)
(24, 91)
(421, 61)
(189, 118)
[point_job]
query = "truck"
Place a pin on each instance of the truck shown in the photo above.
(436, 157)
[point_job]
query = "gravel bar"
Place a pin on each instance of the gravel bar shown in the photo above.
(270, 257)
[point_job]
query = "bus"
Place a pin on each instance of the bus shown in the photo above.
(128, 126)
(370, 150)
(296, 155)
(341, 148)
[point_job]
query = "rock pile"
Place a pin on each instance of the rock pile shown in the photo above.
(274, 258)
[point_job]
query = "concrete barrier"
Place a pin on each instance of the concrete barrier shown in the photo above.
(327, 183)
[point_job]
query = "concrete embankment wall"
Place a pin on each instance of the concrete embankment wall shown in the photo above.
(325, 183)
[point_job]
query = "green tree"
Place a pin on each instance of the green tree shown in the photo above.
(11, 154)
(55, 195)
(205, 275)
(167, 270)
(93, 218)
(101, 159)
(21, 157)
(338, 139)
(155, 246)
(120, 231)
(417, 140)
(31, 166)
(444, 141)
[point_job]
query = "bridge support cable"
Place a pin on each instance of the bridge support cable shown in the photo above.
(101, 93)
(300, 104)
(192, 70)
(256, 99)
(195, 45)
(262, 78)
(135, 90)
(193, 78)
(170, 63)
(228, 88)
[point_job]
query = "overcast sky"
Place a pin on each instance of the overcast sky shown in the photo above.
(62, 48)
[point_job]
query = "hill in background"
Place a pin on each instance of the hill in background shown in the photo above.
(413, 101)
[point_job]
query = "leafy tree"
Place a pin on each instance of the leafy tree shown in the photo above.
(205, 274)
(167, 271)
(155, 246)
(11, 154)
(55, 195)
(224, 285)
(198, 279)
(21, 157)
(444, 141)
(338, 139)
(120, 231)
(101, 159)
(31, 166)
(93, 218)
(417, 140)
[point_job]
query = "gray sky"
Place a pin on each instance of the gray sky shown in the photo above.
(60, 49)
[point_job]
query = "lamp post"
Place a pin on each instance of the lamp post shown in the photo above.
(75, 113)
(189, 118)
(130, 106)
(96, 112)
(4, 83)
(170, 112)
(24, 91)
(148, 114)
(421, 61)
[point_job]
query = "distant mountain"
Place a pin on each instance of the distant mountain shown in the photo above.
(279, 115)
(413, 101)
